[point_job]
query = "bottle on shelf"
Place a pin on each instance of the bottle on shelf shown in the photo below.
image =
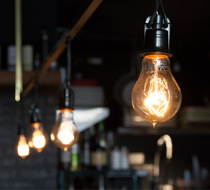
(115, 158)
(124, 161)
(86, 149)
(65, 159)
(28, 56)
(75, 158)
(110, 145)
(11, 57)
(99, 150)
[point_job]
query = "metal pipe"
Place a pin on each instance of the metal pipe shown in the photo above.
(165, 139)
(18, 40)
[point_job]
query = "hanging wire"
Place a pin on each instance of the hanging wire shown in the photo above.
(20, 112)
(36, 91)
(68, 69)
(158, 8)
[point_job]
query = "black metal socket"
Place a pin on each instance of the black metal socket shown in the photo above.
(66, 98)
(21, 130)
(35, 115)
(156, 39)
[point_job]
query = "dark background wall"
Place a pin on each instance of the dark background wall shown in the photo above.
(38, 170)
(113, 33)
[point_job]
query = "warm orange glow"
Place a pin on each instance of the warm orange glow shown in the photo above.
(156, 96)
(52, 137)
(37, 124)
(22, 148)
(66, 110)
(156, 92)
(156, 56)
(38, 140)
(65, 134)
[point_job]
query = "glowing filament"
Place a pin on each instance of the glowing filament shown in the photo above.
(52, 137)
(39, 140)
(65, 134)
(23, 148)
(156, 93)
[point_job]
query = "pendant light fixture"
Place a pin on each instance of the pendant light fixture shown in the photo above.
(65, 132)
(38, 139)
(156, 96)
(23, 149)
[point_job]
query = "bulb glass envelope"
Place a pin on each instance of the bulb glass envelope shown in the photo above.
(38, 139)
(65, 132)
(23, 149)
(156, 96)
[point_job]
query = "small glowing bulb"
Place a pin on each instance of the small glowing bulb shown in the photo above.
(39, 138)
(156, 96)
(52, 137)
(65, 133)
(23, 148)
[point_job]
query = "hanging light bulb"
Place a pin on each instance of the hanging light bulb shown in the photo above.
(65, 132)
(23, 149)
(156, 96)
(38, 139)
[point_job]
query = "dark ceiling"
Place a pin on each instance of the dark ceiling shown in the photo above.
(119, 20)
(114, 32)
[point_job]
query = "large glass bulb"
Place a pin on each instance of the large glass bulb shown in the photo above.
(156, 96)
(65, 133)
(22, 147)
(38, 139)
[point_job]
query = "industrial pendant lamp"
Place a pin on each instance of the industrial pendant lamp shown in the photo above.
(23, 149)
(65, 132)
(156, 96)
(38, 139)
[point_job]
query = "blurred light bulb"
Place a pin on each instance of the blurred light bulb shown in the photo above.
(65, 133)
(39, 138)
(156, 96)
(22, 148)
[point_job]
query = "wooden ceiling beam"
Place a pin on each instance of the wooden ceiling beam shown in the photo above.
(61, 44)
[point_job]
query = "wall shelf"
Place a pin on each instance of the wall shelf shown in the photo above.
(7, 78)
(106, 174)
(139, 131)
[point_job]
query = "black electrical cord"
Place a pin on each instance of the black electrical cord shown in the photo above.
(68, 69)
(66, 97)
(36, 93)
(164, 14)
(158, 8)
